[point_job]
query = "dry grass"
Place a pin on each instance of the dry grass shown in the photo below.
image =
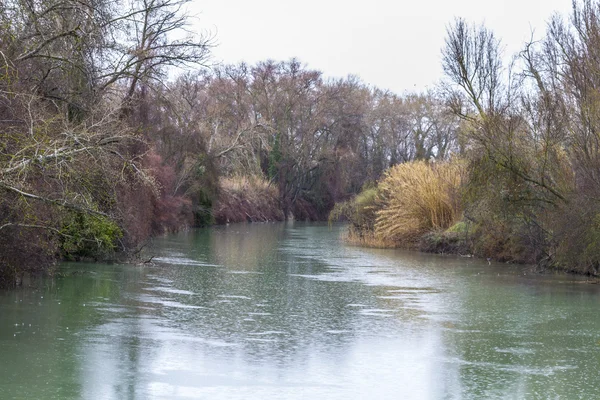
(243, 198)
(419, 197)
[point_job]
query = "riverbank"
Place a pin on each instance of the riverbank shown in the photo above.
(442, 207)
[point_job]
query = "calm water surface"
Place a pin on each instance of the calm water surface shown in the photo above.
(287, 311)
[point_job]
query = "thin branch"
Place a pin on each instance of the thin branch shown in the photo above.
(60, 203)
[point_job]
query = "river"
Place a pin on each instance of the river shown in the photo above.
(287, 311)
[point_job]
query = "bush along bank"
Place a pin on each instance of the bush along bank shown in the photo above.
(430, 207)
(247, 199)
(415, 205)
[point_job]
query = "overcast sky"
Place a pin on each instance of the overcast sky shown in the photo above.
(390, 44)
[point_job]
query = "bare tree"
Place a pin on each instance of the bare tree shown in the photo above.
(471, 60)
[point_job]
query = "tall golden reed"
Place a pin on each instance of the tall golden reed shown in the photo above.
(419, 197)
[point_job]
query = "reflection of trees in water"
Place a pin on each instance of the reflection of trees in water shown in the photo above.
(29, 321)
(135, 336)
(245, 246)
(108, 354)
(61, 321)
(305, 299)
(287, 313)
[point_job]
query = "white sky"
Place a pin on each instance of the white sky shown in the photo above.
(394, 45)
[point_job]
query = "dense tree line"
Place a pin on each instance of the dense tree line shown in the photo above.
(100, 149)
(103, 145)
(316, 140)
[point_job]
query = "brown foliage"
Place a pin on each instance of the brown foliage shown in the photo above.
(172, 212)
(250, 199)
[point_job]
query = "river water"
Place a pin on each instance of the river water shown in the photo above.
(287, 311)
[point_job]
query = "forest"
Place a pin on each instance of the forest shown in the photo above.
(114, 128)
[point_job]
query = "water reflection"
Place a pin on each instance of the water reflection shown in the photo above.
(287, 311)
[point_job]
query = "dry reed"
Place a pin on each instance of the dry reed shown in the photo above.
(247, 198)
(419, 197)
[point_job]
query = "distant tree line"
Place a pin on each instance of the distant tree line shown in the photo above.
(100, 150)
(316, 140)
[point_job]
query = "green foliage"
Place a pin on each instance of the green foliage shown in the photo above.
(445, 243)
(459, 227)
(512, 216)
(203, 190)
(591, 253)
(202, 208)
(578, 240)
(360, 211)
(88, 236)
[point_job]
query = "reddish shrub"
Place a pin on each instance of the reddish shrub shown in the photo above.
(250, 199)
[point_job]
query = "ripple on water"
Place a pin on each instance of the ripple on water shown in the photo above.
(232, 296)
(266, 333)
(376, 312)
(170, 290)
(515, 350)
(239, 272)
(160, 279)
(166, 303)
(183, 261)
(516, 368)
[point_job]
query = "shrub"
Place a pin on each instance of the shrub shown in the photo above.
(86, 236)
(448, 242)
(251, 199)
(576, 238)
(360, 211)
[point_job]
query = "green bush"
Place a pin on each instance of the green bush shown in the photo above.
(85, 236)
(360, 211)
(459, 227)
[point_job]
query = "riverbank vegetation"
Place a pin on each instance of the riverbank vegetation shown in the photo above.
(247, 199)
(114, 129)
(529, 142)
(410, 201)
(105, 144)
